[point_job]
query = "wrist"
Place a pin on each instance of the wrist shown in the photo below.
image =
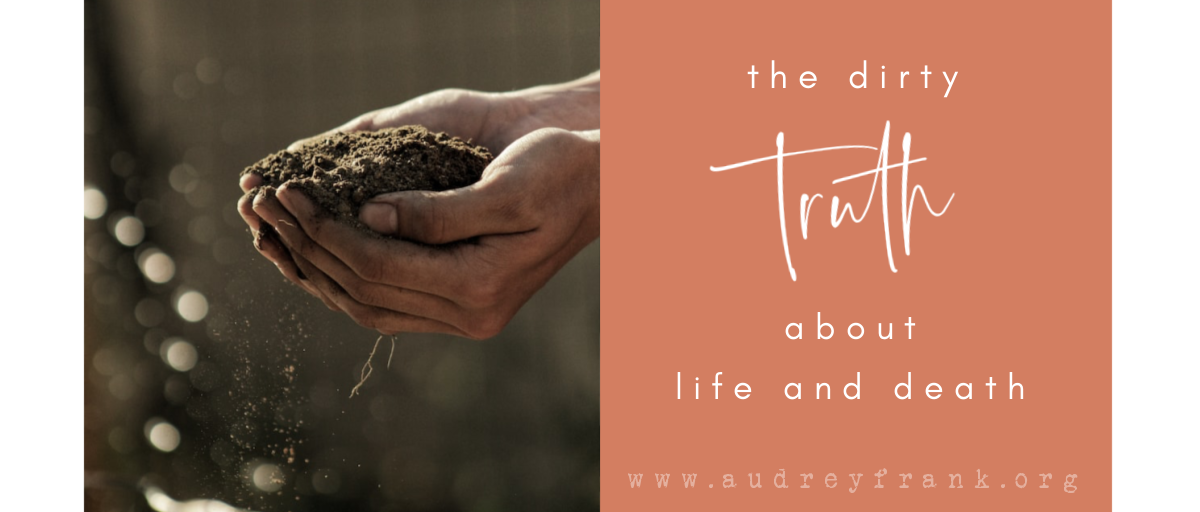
(573, 105)
(588, 148)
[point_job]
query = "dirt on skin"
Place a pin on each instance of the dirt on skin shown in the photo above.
(343, 171)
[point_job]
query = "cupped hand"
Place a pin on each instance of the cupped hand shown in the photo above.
(461, 261)
(493, 120)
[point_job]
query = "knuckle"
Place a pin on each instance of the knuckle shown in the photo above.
(487, 325)
(455, 94)
(356, 290)
(314, 228)
(517, 210)
(367, 121)
(367, 268)
(363, 316)
(305, 246)
(329, 302)
(556, 135)
(365, 292)
(425, 221)
(478, 295)
(245, 204)
(372, 269)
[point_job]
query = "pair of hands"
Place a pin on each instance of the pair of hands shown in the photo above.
(536, 206)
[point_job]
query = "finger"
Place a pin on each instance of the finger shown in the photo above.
(306, 283)
(296, 146)
(269, 246)
(266, 240)
(357, 124)
(249, 181)
(366, 292)
(246, 209)
(356, 290)
(438, 271)
(383, 320)
(488, 207)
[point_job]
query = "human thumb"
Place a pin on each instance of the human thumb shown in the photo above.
(447, 216)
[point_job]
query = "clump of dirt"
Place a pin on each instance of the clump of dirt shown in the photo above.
(343, 171)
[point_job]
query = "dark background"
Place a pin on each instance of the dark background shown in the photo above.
(180, 96)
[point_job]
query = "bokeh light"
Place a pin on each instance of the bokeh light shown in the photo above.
(129, 231)
(267, 477)
(122, 387)
(177, 390)
(149, 312)
(185, 86)
(326, 481)
(192, 306)
(123, 164)
(208, 70)
(121, 440)
(183, 178)
(160, 501)
(162, 435)
(109, 361)
(94, 203)
(180, 354)
(157, 266)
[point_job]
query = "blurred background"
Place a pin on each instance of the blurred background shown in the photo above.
(211, 383)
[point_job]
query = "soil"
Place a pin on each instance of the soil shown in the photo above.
(343, 171)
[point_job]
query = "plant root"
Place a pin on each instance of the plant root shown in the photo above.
(366, 369)
(392, 353)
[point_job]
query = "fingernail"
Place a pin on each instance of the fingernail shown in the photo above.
(380, 217)
(290, 198)
(252, 219)
(247, 180)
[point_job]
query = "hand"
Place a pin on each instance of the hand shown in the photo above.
(493, 120)
(467, 114)
(484, 249)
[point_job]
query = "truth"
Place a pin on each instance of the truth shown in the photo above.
(837, 210)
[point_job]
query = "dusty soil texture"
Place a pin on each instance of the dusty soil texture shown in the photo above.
(345, 170)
